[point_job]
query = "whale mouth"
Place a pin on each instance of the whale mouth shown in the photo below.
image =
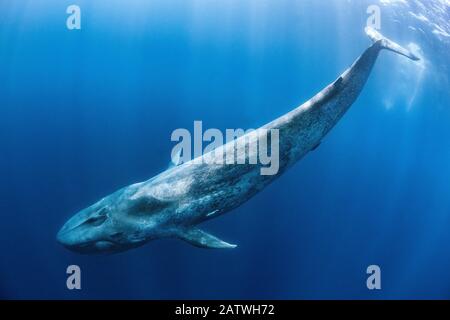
(66, 239)
(104, 245)
(101, 246)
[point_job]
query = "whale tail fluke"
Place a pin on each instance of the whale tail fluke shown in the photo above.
(385, 43)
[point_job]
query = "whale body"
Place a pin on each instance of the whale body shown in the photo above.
(173, 203)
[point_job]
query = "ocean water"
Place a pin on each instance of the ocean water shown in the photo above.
(86, 112)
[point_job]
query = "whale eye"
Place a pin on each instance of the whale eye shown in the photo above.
(117, 235)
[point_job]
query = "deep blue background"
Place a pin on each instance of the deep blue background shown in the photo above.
(83, 113)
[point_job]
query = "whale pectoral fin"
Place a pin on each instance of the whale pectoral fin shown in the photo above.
(202, 239)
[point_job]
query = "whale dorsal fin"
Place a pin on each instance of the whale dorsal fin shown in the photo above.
(316, 146)
(176, 159)
(202, 239)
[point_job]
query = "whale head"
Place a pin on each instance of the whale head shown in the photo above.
(119, 222)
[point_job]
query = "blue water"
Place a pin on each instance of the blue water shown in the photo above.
(86, 112)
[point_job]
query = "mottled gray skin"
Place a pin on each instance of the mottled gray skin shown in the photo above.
(173, 203)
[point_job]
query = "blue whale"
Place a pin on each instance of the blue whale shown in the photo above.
(173, 203)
